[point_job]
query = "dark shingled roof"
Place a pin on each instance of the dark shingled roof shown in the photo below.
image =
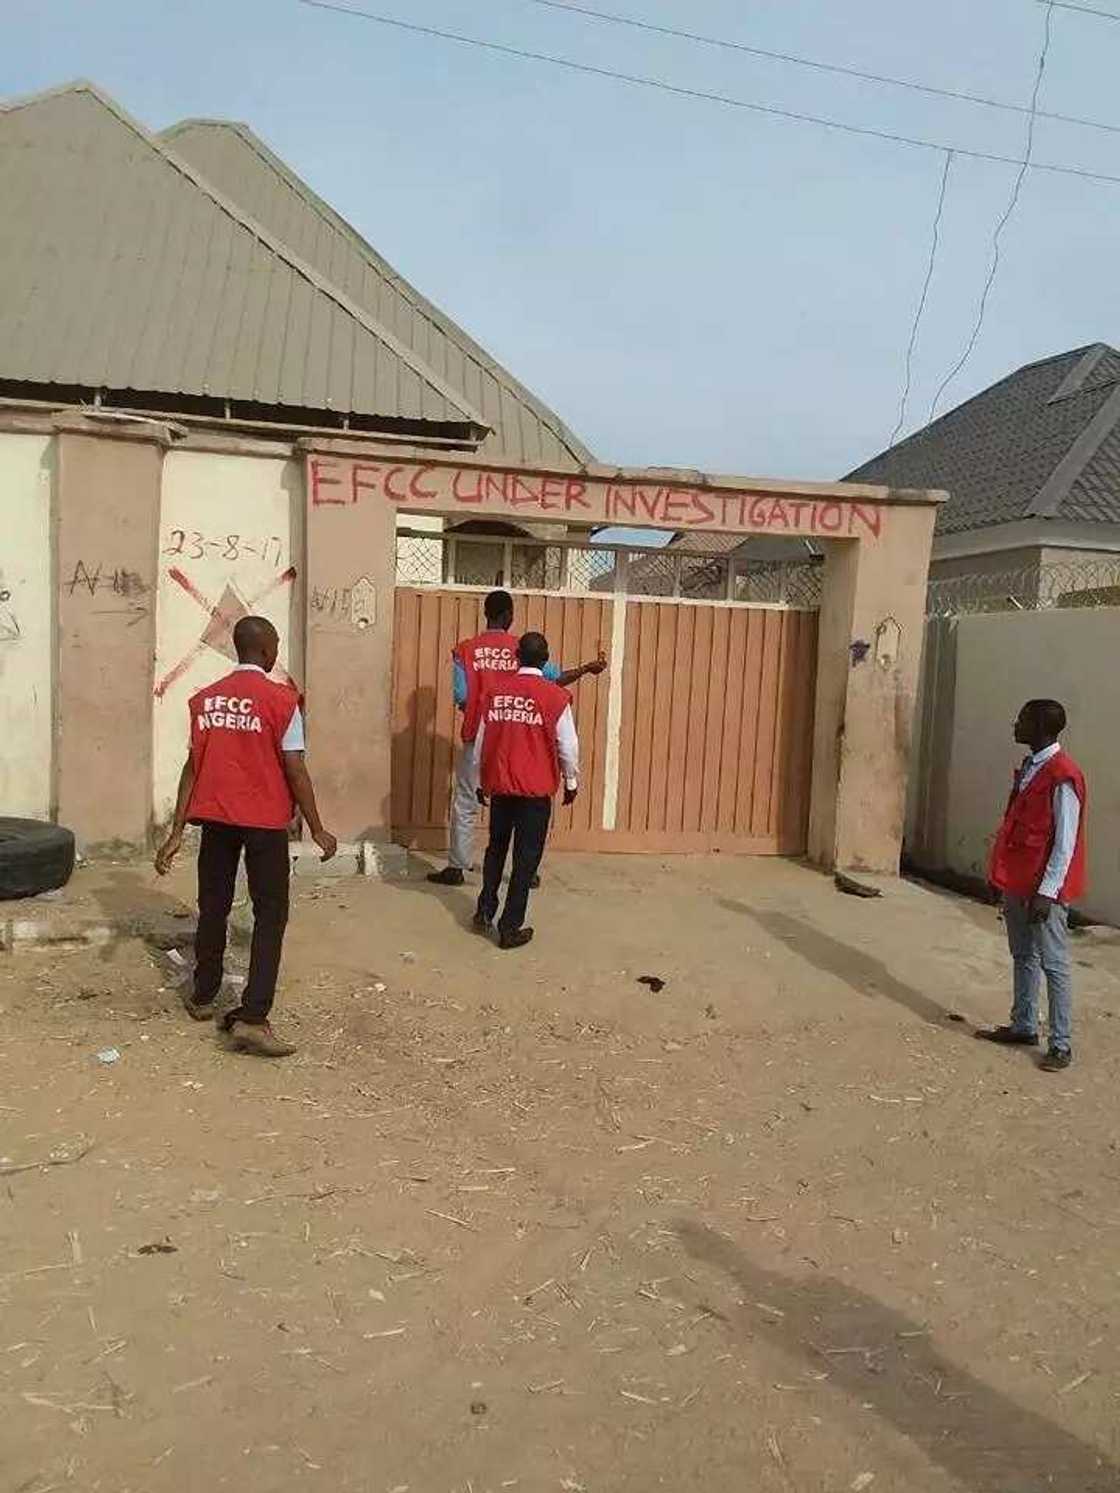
(1042, 443)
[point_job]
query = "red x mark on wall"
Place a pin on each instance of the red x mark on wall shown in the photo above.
(221, 620)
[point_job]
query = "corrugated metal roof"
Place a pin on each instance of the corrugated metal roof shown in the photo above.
(1044, 442)
(121, 267)
(242, 166)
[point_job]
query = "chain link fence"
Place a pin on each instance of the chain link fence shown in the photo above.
(482, 562)
(1074, 583)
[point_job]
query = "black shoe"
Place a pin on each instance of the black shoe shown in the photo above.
(1007, 1036)
(449, 876)
(534, 885)
(516, 939)
(1056, 1062)
(482, 924)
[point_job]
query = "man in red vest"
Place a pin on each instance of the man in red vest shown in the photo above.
(1038, 865)
(526, 739)
(473, 661)
(241, 782)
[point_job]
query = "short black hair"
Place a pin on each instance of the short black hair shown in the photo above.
(532, 650)
(253, 634)
(497, 605)
(1050, 715)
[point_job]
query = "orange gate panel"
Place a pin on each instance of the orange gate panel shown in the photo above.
(713, 714)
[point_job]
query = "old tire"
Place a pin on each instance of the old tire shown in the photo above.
(34, 857)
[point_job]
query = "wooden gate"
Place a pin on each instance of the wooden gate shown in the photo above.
(698, 738)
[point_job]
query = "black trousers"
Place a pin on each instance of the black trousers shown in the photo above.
(525, 821)
(267, 870)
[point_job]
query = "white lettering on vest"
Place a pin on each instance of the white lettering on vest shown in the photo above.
(500, 660)
(225, 721)
(515, 708)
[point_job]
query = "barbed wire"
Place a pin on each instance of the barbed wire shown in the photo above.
(1031, 588)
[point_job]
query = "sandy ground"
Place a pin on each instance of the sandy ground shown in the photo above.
(516, 1221)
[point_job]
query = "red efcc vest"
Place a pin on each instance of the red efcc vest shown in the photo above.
(1026, 836)
(237, 726)
(492, 652)
(519, 756)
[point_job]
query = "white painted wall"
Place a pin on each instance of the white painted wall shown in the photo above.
(230, 526)
(1001, 661)
(26, 606)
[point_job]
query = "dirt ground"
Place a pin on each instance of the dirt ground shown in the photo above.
(514, 1220)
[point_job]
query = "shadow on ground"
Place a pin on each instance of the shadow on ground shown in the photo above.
(135, 908)
(985, 1440)
(858, 970)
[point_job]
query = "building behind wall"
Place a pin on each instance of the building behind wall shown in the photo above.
(1032, 468)
(177, 312)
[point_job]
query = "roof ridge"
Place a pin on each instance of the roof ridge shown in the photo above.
(1085, 445)
(924, 430)
(270, 240)
(417, 298)
(75, 85)
(1079, 375)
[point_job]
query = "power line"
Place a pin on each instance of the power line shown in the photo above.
(809, 62)
(1086, 10)
(1012, 202)
(935, 242)
(638, 80)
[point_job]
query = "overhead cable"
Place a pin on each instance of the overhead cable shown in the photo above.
(1012, 203)
(725, 44)
(934, 243)
(639, 80)
(1086, 10)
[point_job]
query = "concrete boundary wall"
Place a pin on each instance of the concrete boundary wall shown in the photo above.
(977, 672)
(135, 544)
(27, 464)
(230, 538)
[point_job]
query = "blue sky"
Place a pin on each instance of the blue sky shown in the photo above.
(686, 284)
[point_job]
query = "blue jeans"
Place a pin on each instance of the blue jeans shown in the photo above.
(1037, 948)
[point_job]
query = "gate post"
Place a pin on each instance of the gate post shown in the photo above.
(870, 645)
(350, 580)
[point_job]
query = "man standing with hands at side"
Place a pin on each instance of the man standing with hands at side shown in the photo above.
(242, 780)
(1038, 864)
(526, 739)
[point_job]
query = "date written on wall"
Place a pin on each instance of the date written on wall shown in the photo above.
(193, 545)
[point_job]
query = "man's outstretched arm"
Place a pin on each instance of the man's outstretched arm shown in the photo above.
(572, 676)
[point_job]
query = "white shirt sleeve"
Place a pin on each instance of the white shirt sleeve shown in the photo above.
(476, 756)
(1067, 817)
(294, 737)
(567, 748)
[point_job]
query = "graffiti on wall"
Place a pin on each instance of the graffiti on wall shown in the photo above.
(118, 591)
(9, 622)
(355, 604)
(222, 617)
(588, 499)
(191, 544)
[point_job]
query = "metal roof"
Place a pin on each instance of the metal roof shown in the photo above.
(1044, 442)
(239, 164)
(121, 267)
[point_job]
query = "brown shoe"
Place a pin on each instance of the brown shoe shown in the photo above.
(196, 1009)
(259, 1038)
